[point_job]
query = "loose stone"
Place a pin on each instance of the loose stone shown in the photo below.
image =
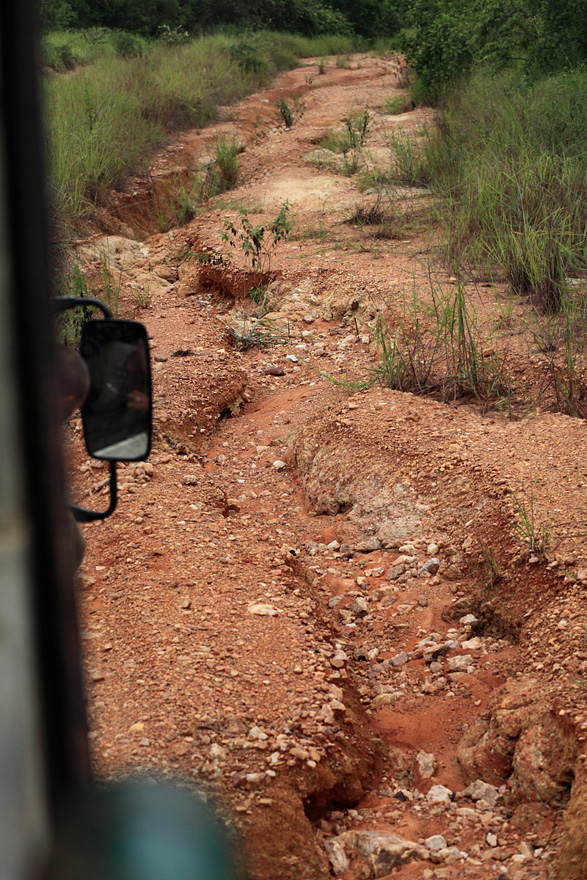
(426, 765)
(399, 659)
(479, 790)
(460, 663)
(439, 794)
(430, 567)
(435, 843)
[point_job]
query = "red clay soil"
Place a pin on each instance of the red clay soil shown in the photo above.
(321, 598)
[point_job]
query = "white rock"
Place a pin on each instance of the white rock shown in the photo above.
(216, 751)
(460, 663)
(436, 842)
(279, 465)
(257, 733)
(336, 856)
(452, 854)
(467, 813)
(439, 794)
(383, 851)
(399, 659)
(263, 610)
(325, 714)
(426, 765)
(479, 790)
(360, 607)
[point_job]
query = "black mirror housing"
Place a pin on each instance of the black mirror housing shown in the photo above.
(117, 413)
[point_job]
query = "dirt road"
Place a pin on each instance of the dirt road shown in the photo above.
(312, 600)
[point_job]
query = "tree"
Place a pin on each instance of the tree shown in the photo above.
(372, 18)
(448, 37)
(56, 15)
(439, 44)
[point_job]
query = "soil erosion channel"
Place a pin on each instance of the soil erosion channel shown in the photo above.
(311, 600)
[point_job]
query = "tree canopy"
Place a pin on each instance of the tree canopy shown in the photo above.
(446, 38)
(369, 18)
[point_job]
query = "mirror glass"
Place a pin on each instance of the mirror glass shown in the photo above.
(117, 412)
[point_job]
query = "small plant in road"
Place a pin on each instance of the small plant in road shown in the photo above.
(257, 242)
(357, 127)
(258, 332)
(286, 112)
(110, 286)
(536, 535)
(495, 572)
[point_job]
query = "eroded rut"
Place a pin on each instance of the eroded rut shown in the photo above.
(311, 602)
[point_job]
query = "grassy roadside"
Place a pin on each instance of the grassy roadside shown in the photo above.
(106, 119)
(510, 164)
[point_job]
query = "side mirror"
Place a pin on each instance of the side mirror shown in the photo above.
(116, 414)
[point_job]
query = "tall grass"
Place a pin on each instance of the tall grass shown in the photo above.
(106, 119)
(510, 162)
(436, 348)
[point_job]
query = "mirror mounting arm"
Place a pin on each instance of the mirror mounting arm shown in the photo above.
(82, 514)
(63, 303)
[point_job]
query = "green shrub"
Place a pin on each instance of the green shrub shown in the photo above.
(173, 36)
(410, 160)
(397, 104)
(127, 45)
(226, 154)
(61, 57)
(248, 57)
(353, 135)
(258, 243)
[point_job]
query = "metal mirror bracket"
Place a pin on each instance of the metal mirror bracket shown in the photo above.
(81, 514)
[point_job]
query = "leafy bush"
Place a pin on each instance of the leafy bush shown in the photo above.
(353, 135)
(397, 104)
(126, 45)
(226, 160)
(66, 57)
(173, 36)
(439, 45)
(248, 57)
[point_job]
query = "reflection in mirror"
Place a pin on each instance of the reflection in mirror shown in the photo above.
(117, 412)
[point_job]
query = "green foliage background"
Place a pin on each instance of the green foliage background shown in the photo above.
(445, 39)
(369, 18)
